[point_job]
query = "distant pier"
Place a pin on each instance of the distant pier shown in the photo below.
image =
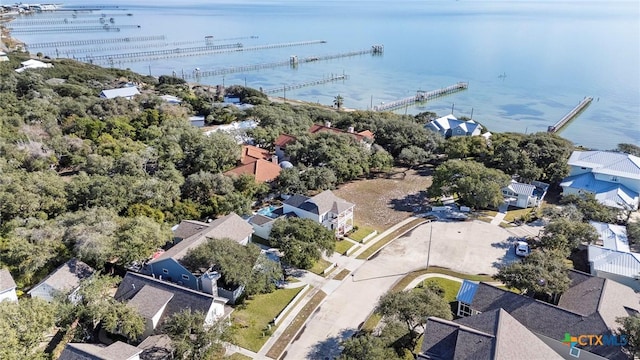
(56, 44)
(165, 52)
(422, 96)
(72, 29)
(293, 61)
(571, 115)
(284, 88)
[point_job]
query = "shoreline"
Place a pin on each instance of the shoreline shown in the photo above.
(8, 43)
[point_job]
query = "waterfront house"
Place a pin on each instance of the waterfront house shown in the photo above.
(7, 286)
(190, 234)
(612, 177)
(449, 126)
(127, 92)
(64, 280)
(257, 162)
(33, 64)
(591, 305)
(158, 300)
(524, 195)
(611, 256)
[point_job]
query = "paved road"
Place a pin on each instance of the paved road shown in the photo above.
(472, 247)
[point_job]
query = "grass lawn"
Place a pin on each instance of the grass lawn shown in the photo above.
(515, 214)
(382, 242)
(343, 245)
(450, 287)
(237, 356)
(278, 348)
(251, 321)
(342, 274)
(361, 233)
(320, 266)
(490, 213)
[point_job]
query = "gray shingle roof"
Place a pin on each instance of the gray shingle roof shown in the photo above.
(327, 201)
(296, 200)
(156, 347)
(116, 351)
(230, 226)
(67, 277)
(6, 280)
(260, 219)
(188, 228)
(150, 300)
(183, 298)
(583, 295)
(521, 188)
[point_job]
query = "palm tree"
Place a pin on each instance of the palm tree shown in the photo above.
(338, 101)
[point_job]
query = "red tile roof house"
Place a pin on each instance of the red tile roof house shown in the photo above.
(257, 162)
(365, 137)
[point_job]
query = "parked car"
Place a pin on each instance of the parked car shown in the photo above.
(522, 249)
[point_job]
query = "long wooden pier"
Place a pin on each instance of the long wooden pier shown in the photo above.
(571, 115)
(57, 44)
(422, 96)
(112, 62)
(106, 27)
(196, 49)
(293, 61)
(286, 88)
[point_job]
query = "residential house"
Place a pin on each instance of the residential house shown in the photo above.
(170, 99)
(494, 334)
(33, 64)
(524, 195)
(449, 126)
(325, 208)
(65, 279)
(7, 286)
(257, 162)
(611, 256)
(116, 351)
(3, 56)
(156, 347)
(127, 92)
(589, 307)
(189, 235)
(158, 300)
(614, 178)
(365, 137)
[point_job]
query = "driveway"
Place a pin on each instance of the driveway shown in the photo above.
(472, 247)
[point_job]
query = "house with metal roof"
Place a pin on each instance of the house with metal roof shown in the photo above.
(7, 286)
(524, 195)
(449, 126)
(590, 306)
(158, 300)
(614, 178)
(127, 92)
(33, 64)
(189, 235)
(611, 256)
(116, 351)
(65, 279)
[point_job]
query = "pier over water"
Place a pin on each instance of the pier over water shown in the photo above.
(571, 115)
(422, 96)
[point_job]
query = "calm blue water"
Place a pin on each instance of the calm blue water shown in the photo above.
(553, 53)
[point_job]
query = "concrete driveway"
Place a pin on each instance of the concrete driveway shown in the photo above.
(472, 247)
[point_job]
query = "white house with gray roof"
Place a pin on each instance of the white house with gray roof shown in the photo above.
(450, 126)
(325, 208)
(190, 234)
(157, 300)
(65, 279)
(7, 286)
(613, 177)
(524, 195)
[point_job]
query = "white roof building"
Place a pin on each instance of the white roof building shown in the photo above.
(126, 92)
(33, 64)
(613, 237)
(449, 126)
(614, 259)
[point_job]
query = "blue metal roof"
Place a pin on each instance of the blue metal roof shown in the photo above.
(467, 292)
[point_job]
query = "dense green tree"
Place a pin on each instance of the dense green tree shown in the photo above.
(380, 160)
(542, 272)
(366, 347)
(91, 234)
(192, 339)
(631, 149)
(476, 185)
(630, 327)
(413, 156)
(591, 208)
(338, 101)
(633, 232)
(564, 235)
(24, 326)
(137, 238)
(302, 241)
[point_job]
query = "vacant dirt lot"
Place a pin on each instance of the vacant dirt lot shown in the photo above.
(385, 201)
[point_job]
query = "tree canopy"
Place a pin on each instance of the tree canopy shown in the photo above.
(303, 241)
(23, 326)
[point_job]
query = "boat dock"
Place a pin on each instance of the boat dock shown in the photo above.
(571, 115)
(285, 88)
(110, 60)
(56, 44)
(72, 29)
(422, 96)
(196, 49)
(293, 62)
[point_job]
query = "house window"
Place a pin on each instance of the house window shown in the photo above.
(185, 277)
(165, 271)
(464, 309)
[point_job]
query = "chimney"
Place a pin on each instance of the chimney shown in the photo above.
(327, 124)
(351, 130)
(274, 159)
